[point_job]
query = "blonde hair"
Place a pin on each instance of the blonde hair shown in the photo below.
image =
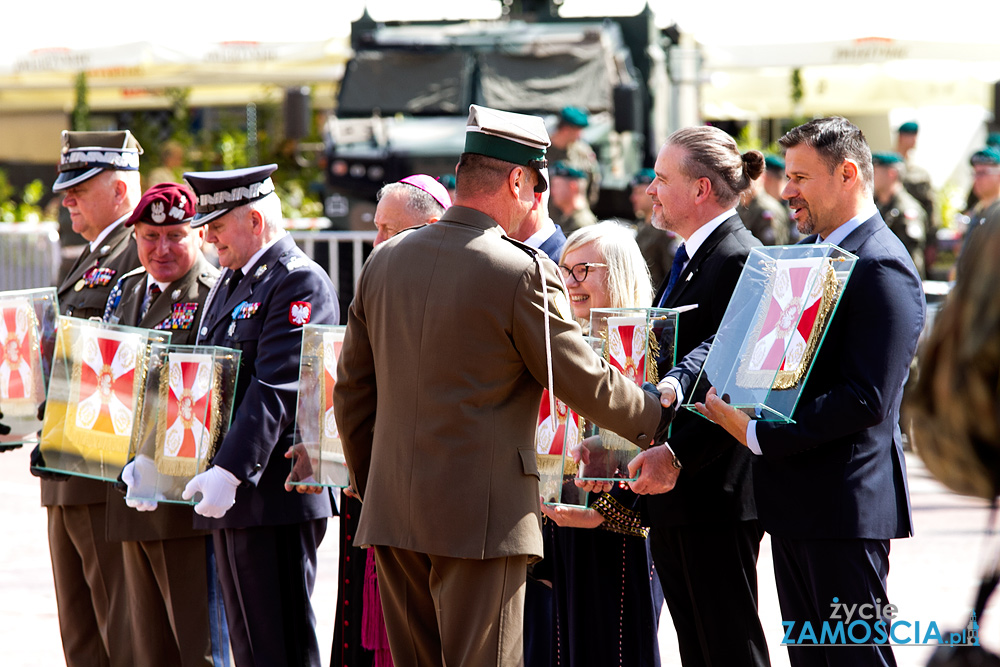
(628, 281)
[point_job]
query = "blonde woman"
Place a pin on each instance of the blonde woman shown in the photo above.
(606, 611)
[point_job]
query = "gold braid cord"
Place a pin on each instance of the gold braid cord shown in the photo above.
(618, 518)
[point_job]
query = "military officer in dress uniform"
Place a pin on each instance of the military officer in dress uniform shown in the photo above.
(265, 539)
(166, 559)
(450, 339)
(902, 213)
(99, 180)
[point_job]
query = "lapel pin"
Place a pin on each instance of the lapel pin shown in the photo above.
(260, 271)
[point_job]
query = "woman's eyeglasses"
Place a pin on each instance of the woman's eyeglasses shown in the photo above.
(580, 271)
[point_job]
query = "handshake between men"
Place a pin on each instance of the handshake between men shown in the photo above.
(655, 469)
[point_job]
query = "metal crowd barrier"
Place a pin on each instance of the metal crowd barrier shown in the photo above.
(29, 255)
(341, 254)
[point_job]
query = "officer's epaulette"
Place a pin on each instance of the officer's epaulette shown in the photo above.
(293, 260)
(532, 252)
(208, 279)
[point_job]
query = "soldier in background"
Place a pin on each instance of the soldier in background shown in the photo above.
(568, 205)
(901, 212)
(656, 245)
(917, 182)
(774, 176)
(986, 187)
(765, 217)
(568, 146)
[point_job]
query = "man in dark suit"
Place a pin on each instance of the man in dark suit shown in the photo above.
(99, 181)
(265, 538)
(166, 560)
(709, 514)
(831, 487)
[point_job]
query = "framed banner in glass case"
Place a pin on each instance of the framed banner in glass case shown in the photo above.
(187, 408)
(95, 396)
(773, 328)
(557, 434)
(640, 343)
(27, 337)
(319, 456)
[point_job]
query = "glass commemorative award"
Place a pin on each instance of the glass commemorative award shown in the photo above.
(95, 396)
(640, 343)
(318, 454)
(27, 332)
(186, 411)
(558, 431)
(773, 328)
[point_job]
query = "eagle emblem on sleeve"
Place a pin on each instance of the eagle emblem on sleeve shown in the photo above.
(299, 313)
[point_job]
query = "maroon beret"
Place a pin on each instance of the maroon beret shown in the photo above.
(164, 204)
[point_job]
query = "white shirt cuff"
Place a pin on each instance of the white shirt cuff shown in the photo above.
(752, 443)
(673, 382)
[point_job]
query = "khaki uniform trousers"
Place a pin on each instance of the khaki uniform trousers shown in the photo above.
(90, 586)
(452, 612)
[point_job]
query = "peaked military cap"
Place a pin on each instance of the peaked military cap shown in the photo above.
(909, 128)
(164, 204)
(511, 137)
(86, 154)
(219, 192)
(574, 116)
(886, 159)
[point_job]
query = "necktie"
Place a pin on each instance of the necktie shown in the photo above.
(675, 270)
(234, 280)
(151, 294)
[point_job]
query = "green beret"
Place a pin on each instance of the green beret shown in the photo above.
(909, 128)
(447, 180)
(993, 139)
(566, 170)
(774, 163)
(988, 156)
(643, 177)
(574, 116)
(886, 159)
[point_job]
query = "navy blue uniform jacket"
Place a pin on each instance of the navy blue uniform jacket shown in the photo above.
(270, 340)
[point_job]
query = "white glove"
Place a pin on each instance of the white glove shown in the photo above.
(218, 492)
(140, 476)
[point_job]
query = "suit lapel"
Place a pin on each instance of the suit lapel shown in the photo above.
(89, 259)
(133, 301)
(83, 262)
(694, 264)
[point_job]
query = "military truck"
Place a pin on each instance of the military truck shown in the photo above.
(405, 96)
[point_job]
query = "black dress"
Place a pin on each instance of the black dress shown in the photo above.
(607, 596)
